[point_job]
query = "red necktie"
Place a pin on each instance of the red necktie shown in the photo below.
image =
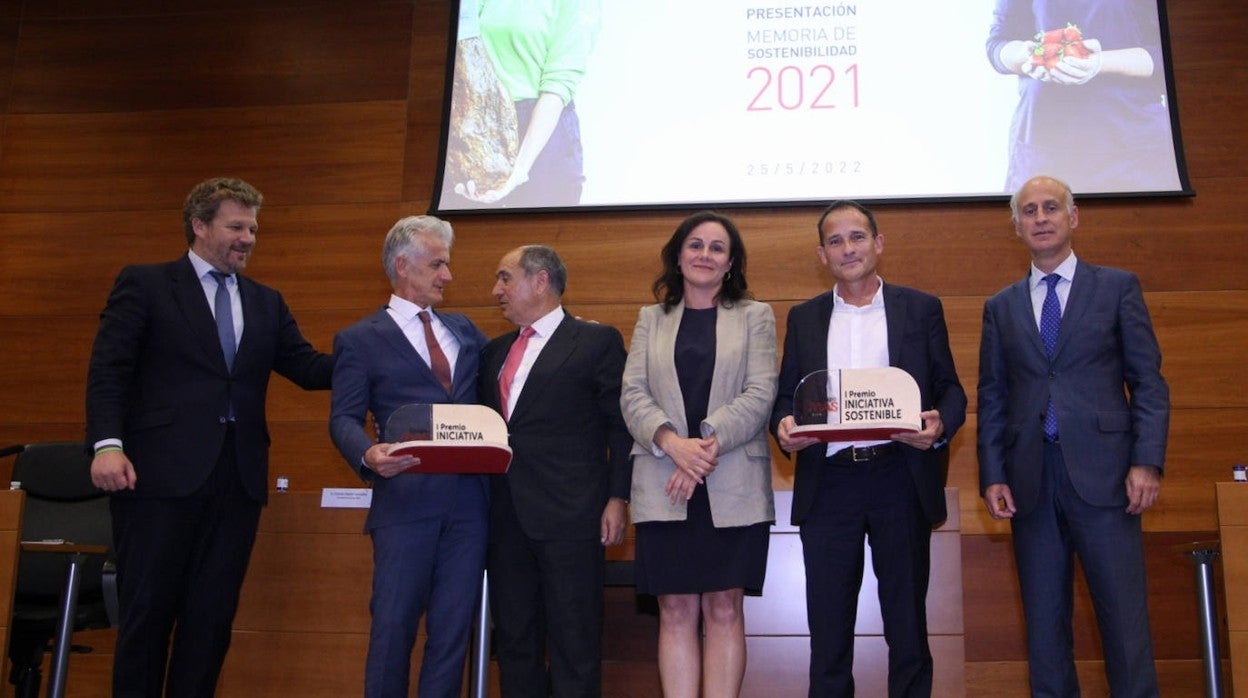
(512, 364)
(437, 360)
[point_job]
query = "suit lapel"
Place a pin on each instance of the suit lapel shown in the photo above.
(463, 361)
(895, 316)
(731, 336)
(392, 334)
(492, 366)
(253, 318)
(823, 322)
(554, 353)
(1082, 291)
(188, 294)
(667, 383)
(1019, 299)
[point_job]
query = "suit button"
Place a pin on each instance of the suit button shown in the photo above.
(221, 420)
(1052, 375)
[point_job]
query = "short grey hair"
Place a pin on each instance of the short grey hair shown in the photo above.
(403, 236)
(1069, 196)
(535, 258)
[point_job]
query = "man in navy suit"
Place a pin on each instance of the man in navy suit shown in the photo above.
(1078, 484)
(175, 411)
(428, 530)
(891, 492)
(563, 498)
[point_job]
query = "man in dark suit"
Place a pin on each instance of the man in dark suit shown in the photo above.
(428, 530)
(1065, 453)
(175, 410)
(892, 492)
(563, 498)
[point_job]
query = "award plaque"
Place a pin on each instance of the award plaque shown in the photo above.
(856, 404)
(463, 439)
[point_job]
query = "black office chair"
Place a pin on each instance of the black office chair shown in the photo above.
(62, 506)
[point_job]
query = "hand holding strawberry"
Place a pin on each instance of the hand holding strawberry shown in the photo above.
(1054, 45)
(1063, 56)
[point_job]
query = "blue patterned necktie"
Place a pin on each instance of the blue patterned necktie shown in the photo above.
(1050, 323)
(224, 311)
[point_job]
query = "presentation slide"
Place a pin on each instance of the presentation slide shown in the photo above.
(560, 104)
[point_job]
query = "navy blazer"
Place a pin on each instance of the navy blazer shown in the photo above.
(378, 371)
(568, 440)
(918, 343)
(1106, 342)
(158, 381)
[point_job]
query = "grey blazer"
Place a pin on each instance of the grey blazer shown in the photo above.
(743, 388)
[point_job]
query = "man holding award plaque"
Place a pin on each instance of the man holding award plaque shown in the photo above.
(890, 490)
(428, 530)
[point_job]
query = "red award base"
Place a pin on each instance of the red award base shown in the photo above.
(829, 432)
(464, 439)
(450, 457)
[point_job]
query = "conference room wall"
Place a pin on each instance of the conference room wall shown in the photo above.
(110, 111)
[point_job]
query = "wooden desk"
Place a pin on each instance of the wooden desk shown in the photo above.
(302, 623)
(11, 503)
(1233, 529)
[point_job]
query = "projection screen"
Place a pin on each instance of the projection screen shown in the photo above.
(604, 104)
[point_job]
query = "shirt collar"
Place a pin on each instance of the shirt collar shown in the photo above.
(548, 323)
(405, 308)
(202, 267)
(1066, 270)
(877, 300)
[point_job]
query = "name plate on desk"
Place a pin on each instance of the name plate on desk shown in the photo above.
(856, 404)
(346, 498)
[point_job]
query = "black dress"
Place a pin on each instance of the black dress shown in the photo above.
(692, 556)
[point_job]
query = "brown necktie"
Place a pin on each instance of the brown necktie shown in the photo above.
(437, 360)
(510, 365)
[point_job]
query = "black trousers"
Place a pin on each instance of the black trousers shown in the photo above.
(180, 566)
(546, 602)
(877, 500)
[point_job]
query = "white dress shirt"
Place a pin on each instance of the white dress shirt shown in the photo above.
(543, 328)
(406, 315)
(857, 338)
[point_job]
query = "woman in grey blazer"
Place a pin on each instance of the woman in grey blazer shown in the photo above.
(698, 387)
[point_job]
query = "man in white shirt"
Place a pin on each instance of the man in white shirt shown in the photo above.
(891, 492)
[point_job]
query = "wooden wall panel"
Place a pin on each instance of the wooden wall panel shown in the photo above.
(98, 148)
(11, 506)
(354, 52)
(307, 153)
(8, 47)
(430, 32)
(316, 664)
